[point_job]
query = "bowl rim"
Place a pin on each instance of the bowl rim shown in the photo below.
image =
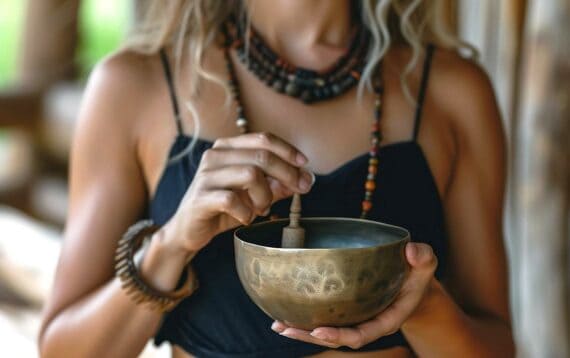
(403, 239)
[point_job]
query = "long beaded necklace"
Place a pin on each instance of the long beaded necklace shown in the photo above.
(375, 136)
(304, 84)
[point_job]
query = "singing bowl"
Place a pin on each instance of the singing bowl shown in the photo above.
(349, 270)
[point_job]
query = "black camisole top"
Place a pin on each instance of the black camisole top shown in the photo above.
(219, 319)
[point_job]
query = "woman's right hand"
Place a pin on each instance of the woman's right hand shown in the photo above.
(237, 179)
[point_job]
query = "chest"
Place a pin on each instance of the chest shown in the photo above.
(330, 134)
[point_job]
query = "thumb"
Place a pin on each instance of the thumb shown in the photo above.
(420, 256)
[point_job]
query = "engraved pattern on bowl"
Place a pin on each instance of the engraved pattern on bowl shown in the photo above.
(350, 271)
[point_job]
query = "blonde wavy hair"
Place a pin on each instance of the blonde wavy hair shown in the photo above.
(191, 26)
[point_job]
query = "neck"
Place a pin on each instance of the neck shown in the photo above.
(290, 26)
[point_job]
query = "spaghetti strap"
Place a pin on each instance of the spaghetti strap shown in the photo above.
(171, 90)
(423, 87)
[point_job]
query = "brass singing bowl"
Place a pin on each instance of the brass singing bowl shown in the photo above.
(349, 271)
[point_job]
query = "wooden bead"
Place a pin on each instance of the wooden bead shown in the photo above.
(373, 161)
(370, 185)
(372, 169)
(366, 205)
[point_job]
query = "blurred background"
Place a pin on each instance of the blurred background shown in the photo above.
(48, 47)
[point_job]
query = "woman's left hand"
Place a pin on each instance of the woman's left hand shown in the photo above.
(410, 301)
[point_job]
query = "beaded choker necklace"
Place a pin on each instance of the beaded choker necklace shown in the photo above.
(304, 84)
(376, 137)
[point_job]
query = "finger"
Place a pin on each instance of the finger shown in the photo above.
(350, 337)
(265, 141)
(279, 190)
(305, 336)
(421, 258)
(279, 326)
(228, 202)
(242, 177)
(294, 178)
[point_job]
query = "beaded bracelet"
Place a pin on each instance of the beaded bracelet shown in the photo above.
(131, 281)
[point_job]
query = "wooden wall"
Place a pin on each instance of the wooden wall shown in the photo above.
(525, 49)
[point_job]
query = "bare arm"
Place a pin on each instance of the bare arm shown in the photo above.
(88, 314)
(473, 318)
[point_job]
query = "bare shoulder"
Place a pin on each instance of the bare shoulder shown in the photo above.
(463, 90)
(117, 89)
(112, 118)
(125, 68)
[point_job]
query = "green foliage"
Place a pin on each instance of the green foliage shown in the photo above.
(103, 24)
(11, 21)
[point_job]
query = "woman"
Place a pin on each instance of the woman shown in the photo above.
(177, 129)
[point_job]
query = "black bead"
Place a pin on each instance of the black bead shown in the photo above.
(336, 89)
(292, 89)
(278, 86)
(306, 96)
(318, 94)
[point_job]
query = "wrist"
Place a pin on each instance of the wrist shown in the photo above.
(163, 261)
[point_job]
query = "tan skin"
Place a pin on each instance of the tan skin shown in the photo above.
(120, 148)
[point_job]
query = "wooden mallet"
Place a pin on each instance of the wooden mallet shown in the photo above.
(294, 234)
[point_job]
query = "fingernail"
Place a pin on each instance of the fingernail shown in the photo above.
(307, 180)
(266, 212)
(413, 250)
(275, 327)
(301, 159)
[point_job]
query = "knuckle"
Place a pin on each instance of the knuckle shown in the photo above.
(251, 173)
(220, 142)
(227, 199)
(292, 153)
(358, 341)
(200, 177)
(292, 176)
(357, 344)
(392, 328)
(208, 156)
(262, 157)
(264, 139)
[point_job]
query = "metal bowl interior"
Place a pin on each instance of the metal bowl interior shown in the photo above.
(349, 271)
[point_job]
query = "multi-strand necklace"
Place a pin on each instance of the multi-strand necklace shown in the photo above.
(306, 85)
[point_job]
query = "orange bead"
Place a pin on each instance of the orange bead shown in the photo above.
(370, 185)
(366, 205)
(372, 169)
